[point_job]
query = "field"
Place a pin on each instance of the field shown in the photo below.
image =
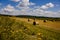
(17, 28)
(50, 24)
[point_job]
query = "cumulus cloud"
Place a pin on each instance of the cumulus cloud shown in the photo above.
(9, 8)
(33, 12)
(15, 0)
(25, 3)
(48, 5)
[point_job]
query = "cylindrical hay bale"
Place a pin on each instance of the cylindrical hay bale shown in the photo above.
(34, 23)
(44, 20)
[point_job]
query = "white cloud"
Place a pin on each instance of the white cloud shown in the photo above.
(25, 3)
(44, 7)
(48, 5)
(9, 8)
(15, 0)
(33, 12)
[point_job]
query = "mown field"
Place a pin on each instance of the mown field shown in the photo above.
(14, 28)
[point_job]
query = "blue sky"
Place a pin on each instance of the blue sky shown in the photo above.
(55, 2)
(47, 5)
(37, 2)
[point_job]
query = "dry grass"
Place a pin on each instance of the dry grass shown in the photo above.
(15, 28)
(54, 25)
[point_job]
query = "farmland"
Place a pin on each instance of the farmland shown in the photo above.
(18, 28)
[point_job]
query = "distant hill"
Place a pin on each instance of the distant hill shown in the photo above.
(30, 16)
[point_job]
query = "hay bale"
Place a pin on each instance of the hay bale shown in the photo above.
(44, 20)
(34, 23)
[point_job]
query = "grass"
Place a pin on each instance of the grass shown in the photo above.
(13, 28)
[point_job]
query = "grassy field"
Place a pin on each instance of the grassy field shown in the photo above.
(14, 28)
(50, 24)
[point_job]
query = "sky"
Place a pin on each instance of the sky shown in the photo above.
(48, 8)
